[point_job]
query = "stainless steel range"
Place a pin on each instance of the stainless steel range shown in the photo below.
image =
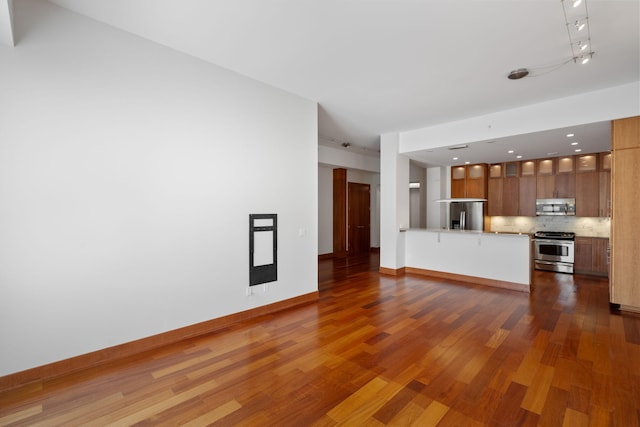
(554, 251)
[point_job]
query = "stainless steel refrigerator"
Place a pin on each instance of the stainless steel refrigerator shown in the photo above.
(466, 215)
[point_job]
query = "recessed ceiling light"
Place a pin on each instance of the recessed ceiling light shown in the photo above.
(518, 156)
(466, 163)
(455, 158)
(570, 135)
(577, 150)
(574, 143)
(510, 151)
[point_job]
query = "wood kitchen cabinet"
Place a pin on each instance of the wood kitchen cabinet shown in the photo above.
(583, 255)
(458, 181)
(504, 189)
(591, 256)
(593, 185)
(604, 185)
(511, 196)
(469, 181)
(587, 197)
(600, 252)
(495, 190)
(527, 196)
(556, 178)
(587, 186)
(624, 285)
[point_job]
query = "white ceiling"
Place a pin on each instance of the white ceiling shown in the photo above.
(377, 66)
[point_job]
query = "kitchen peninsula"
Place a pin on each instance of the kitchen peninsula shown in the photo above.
(500, 260)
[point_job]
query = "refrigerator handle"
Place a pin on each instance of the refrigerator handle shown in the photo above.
(462, 220)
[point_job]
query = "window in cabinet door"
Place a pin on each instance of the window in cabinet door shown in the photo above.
(545, 167)
(586, 163)
(495, 171)
(457, 172)
(528, 168)
(565, 164)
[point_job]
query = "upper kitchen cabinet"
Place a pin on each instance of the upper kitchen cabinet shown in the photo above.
(624, 288)
(511, 189)
(587, 181)
(495, 190)
(527, 190)
(469, 181)
(556, 178)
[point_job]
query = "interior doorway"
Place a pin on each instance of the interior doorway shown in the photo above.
(359, 218)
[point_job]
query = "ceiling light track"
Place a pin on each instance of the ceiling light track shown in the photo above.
(576, 17)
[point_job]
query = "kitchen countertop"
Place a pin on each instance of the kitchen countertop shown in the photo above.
(472, 232)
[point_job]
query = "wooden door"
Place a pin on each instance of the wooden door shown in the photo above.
(359, 218)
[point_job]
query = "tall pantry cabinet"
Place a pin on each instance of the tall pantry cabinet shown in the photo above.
(624, 285)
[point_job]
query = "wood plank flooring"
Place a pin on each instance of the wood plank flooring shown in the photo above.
(376, 350)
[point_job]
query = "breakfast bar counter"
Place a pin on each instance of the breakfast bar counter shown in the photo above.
(492, 259)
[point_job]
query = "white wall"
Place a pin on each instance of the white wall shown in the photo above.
(394, 205)
(436, 189)
(418, 196)
(325, 210)
(127, 174)
(349, 159)
(6, 24)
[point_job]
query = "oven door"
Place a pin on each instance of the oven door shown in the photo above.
(554, 250)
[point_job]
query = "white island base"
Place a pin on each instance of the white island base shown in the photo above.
(500, 260)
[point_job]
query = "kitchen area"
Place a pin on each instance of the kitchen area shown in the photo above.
(553, 214)
(558, 207)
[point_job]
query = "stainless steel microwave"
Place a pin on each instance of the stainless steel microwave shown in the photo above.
(555, 206)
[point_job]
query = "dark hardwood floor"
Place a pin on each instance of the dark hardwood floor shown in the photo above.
(376, 350)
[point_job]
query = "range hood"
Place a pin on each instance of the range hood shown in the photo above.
(460, 200)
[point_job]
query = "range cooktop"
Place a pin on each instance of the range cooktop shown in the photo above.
(555, 235)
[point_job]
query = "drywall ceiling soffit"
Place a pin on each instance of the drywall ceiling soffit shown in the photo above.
(6, 23)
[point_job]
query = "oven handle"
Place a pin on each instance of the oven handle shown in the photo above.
(554, 242)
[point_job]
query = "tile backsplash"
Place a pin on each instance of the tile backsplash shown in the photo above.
(583, 227)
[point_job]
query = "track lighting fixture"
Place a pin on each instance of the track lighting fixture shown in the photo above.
(577, 22)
